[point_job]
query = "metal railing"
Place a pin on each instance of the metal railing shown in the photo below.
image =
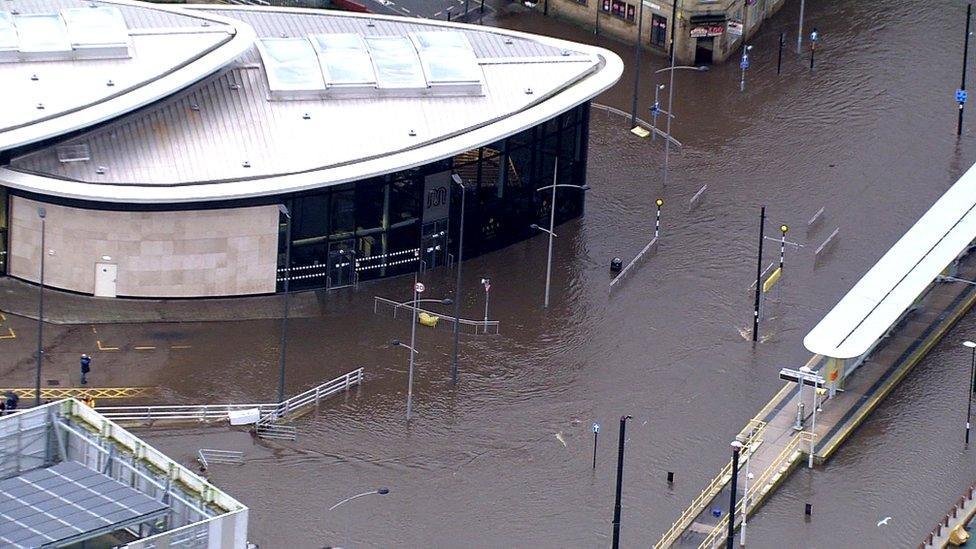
(209, 456)
(790, 453)
(642, 123)
(219, 412)
(755, 429)
(478, 327)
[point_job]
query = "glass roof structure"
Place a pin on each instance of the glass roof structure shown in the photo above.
(439, 63)
(73, 33)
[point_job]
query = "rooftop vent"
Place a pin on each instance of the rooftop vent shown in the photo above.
(78, 152)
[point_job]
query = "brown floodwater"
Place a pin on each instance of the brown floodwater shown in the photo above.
(869, 136)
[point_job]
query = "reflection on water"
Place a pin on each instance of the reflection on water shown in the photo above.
(869, 136)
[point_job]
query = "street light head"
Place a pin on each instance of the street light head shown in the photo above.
(534, 227)
(42, 213)
(284, 210)
(457, 179)
(660, 87)
(749, 48)
(659, 202)
(395, 342)
(447, 301)
(585, 188)
(969, 344)
(383, 491)
(702, 68)
(736, 445)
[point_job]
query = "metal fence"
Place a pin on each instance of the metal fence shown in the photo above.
(476, 327)
(295, 405)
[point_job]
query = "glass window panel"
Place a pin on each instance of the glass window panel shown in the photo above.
(42, 33)
(8, 33)
(95, 26)
(396, 62)
(440, 40)
(291, 64)
(448, 58)
(344, 59)
(343, 212)
(370, 199)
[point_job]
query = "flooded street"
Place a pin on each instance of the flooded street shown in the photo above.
(869, 136)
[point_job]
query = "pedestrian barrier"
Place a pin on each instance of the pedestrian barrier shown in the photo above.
(476, 327)
(205, 413)
(640, 123)
(648, 250)
(939, 536)
(209, 456)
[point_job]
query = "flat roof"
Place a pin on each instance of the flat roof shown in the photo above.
(889, 288)
(46, 94)
(68, 503)
(225, 138)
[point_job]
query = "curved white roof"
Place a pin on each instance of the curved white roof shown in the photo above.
(886, 291)
(225, 137)
(66, 76)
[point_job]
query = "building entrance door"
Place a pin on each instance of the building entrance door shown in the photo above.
(704, 49)
(342, 263)
(106, 277)
(433, 243)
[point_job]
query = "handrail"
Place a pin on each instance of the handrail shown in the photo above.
(204, 412)
(721, 528)
(714, 487)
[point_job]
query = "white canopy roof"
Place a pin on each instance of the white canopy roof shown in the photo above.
(876, 302)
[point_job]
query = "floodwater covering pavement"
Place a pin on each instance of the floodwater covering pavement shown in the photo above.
(869, 136)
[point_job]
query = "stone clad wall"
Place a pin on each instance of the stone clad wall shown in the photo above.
(159, 254)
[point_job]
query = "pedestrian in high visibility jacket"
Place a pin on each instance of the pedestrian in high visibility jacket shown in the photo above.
(85, 368)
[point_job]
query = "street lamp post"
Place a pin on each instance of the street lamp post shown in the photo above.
(972, 386)
(417, 289)
(670, 113)
(637, 63)
(379, 491)
(552, 221)
(655, 110)
(744, 64)
(486, 282)
(736, 448)
(41, 213)
(799, 32)
(284, 319)
(620, 481)
(745, 501)
(457, 287)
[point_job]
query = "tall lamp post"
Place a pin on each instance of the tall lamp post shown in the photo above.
(620, 481)
(669, 114)
(284, 319)
(637, 63)
(457, 287)
(972, 385)
(41, 213)
(417, 289)
(378, 491)
(736, 448)
(552, 221)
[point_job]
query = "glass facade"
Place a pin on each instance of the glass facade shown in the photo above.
(3, 230)
(388, 225)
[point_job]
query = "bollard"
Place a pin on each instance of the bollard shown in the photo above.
(808, 509)
(670, 477)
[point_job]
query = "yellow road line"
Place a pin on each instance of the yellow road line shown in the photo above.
(3, 317)
(94, 331)
(12, 335)
(103, 348)
(80, 392)
(144, 348)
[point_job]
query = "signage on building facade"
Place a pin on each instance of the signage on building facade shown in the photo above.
(734, 28)
(437, 196)
(704, 31)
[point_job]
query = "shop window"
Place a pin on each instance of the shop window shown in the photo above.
(370, 198)
(342, 213)
(659, 30)
(623, 10)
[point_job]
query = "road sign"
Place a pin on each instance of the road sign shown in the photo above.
(734, 28)
(744, 64)
(962, 96)
(596, 427)
(809, 378)
(419, 287)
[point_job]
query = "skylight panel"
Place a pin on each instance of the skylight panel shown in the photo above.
(396, 63)
(345, 62)
(449, 63)
(42, 34)
(8, 33)
(98, 26)
(291, 67)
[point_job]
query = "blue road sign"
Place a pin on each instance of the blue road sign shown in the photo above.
(814, 36)
(596, 427)
(962, 96)
(744, 64)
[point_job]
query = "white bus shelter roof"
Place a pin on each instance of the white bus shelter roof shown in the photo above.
(877, 301)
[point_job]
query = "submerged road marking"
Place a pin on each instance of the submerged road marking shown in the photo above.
(11, 334)
(179, 347)
(103, 348)
(144, 348)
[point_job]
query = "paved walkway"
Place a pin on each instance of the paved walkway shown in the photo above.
(776, 447)
(960, 515)
(20, 298)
